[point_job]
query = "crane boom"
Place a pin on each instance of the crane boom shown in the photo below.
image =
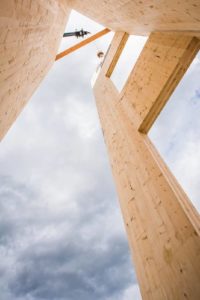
(77, 33)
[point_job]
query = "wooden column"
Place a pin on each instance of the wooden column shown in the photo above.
(30, 33)
(162, 225)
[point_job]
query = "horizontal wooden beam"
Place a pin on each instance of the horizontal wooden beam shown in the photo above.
(82, 43)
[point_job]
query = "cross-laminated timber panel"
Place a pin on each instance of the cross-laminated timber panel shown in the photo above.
(156, 74)
(143, 17)
(30, 32)
(161, 223)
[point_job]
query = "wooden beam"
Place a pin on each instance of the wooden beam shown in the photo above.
(82, 43)
(118, 45)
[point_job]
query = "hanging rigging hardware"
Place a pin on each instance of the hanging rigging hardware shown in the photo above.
(100, 54)
(76, 33)
(82, 43)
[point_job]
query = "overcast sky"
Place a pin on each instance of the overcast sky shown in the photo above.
(61, 231)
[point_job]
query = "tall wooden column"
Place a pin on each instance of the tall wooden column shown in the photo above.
(161, 223)
(30, 33)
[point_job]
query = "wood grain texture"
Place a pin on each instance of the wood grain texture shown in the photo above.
(160, 67)
(142, 17)
(30, 33)
(119, 43)
(162, 225)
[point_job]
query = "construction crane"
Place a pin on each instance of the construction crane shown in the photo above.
(77, 33)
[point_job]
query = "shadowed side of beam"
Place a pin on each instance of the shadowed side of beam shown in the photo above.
(83, 43)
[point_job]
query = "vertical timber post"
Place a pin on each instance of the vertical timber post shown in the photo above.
(29, 38)
(162, 226)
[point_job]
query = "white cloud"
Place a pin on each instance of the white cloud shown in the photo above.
(132, 292)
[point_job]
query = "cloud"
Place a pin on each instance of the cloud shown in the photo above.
(65, 255)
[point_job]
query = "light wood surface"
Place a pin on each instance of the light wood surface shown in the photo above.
(162, 225)
(143, 17)
(30, 33)
(156, 74)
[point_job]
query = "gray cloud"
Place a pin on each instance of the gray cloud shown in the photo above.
(49, 261)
